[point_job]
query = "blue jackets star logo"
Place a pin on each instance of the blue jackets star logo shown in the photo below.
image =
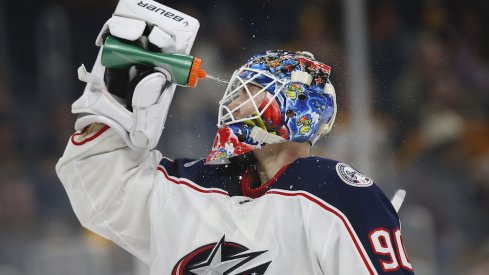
(223, 258)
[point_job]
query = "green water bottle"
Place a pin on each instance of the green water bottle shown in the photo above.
(185, 70)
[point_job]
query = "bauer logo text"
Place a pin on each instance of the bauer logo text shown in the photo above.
(160, 11)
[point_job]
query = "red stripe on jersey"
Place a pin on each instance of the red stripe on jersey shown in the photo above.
(169, 159)
(249, 176)
(97, 134)
(190, 184)
(336, 213)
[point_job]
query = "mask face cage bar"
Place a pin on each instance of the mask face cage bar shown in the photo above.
(226, 116)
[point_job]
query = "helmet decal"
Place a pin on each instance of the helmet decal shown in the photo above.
(277, 96)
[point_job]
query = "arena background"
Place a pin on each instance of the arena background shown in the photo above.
(412, 79)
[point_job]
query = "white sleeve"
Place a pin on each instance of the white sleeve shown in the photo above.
(110, 188)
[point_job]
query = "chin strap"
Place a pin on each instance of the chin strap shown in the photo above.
(261, 136)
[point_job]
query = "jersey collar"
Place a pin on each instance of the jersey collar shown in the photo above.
(250, 182)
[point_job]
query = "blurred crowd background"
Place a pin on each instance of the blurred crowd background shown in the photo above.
(428, 79)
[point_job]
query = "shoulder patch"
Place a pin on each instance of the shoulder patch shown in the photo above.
(351, 176)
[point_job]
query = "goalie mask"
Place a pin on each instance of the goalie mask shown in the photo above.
(277, 96)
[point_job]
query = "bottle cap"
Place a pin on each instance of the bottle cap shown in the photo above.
(196, 73)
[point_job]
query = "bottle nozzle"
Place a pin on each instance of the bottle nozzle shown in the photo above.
(196, 73)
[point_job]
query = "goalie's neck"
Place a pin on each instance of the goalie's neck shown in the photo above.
(271, 158)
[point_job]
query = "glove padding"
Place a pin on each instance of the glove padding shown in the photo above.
(172, 31)
(150, 107)
(135, 102)
(140, 127)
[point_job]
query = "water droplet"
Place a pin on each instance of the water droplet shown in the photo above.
(218, 79)
(290, 187)
(254, 36)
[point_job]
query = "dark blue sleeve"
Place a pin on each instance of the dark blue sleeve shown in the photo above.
(377, 225)
(183, 167)
(374, 219)
(207, 176)
(370, 212)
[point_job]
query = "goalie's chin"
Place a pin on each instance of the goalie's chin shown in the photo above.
(231, 140)
(238, 139)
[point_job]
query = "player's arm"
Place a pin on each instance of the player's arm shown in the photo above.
(109, 168)
(109, 186)
(356, 229)
(364, 241)
(380, 233)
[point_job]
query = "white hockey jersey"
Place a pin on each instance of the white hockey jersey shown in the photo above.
(316, 216)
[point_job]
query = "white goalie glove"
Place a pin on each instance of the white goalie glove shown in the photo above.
(135, 101)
